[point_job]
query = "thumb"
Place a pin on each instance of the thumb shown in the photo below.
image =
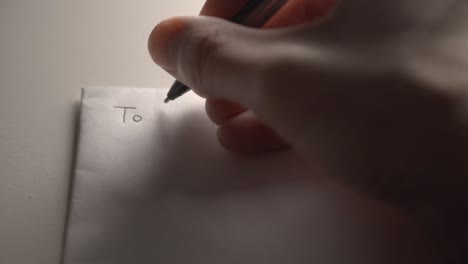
(213, 57)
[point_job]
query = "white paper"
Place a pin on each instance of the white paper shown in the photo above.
(154, 186)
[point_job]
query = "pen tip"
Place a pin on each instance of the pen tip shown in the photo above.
(167, 100)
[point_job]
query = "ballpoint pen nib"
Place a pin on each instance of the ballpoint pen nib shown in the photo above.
(167, 100)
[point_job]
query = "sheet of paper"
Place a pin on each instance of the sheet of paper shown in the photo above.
(152, 185)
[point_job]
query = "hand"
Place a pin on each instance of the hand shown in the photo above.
(374, 93)
(239, 129)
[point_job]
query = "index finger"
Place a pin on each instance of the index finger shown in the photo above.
(294, 12)
(222, 8)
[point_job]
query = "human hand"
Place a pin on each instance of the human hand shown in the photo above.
(373, 94)
(239, 129)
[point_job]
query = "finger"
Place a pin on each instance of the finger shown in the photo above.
(213, 57)
(240, 130)
(293, 12)
(220, 59)
(220, 110)
(222, 8)
(296, 12)
(245, 133)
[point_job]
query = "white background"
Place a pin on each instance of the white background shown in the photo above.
(48, 50)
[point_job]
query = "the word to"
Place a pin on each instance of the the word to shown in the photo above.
(127, 112)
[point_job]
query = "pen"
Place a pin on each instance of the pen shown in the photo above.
(253, 14)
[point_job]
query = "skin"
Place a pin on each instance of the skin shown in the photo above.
(373, 90)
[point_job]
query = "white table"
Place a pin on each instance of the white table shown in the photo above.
(48, 50)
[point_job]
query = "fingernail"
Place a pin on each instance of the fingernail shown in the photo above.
(163, 42)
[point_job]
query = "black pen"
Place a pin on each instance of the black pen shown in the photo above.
(253, 14)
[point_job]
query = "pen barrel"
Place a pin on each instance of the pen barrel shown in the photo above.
(257, 12)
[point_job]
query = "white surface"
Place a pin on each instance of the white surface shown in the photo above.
(48, 50)
(162, 190)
